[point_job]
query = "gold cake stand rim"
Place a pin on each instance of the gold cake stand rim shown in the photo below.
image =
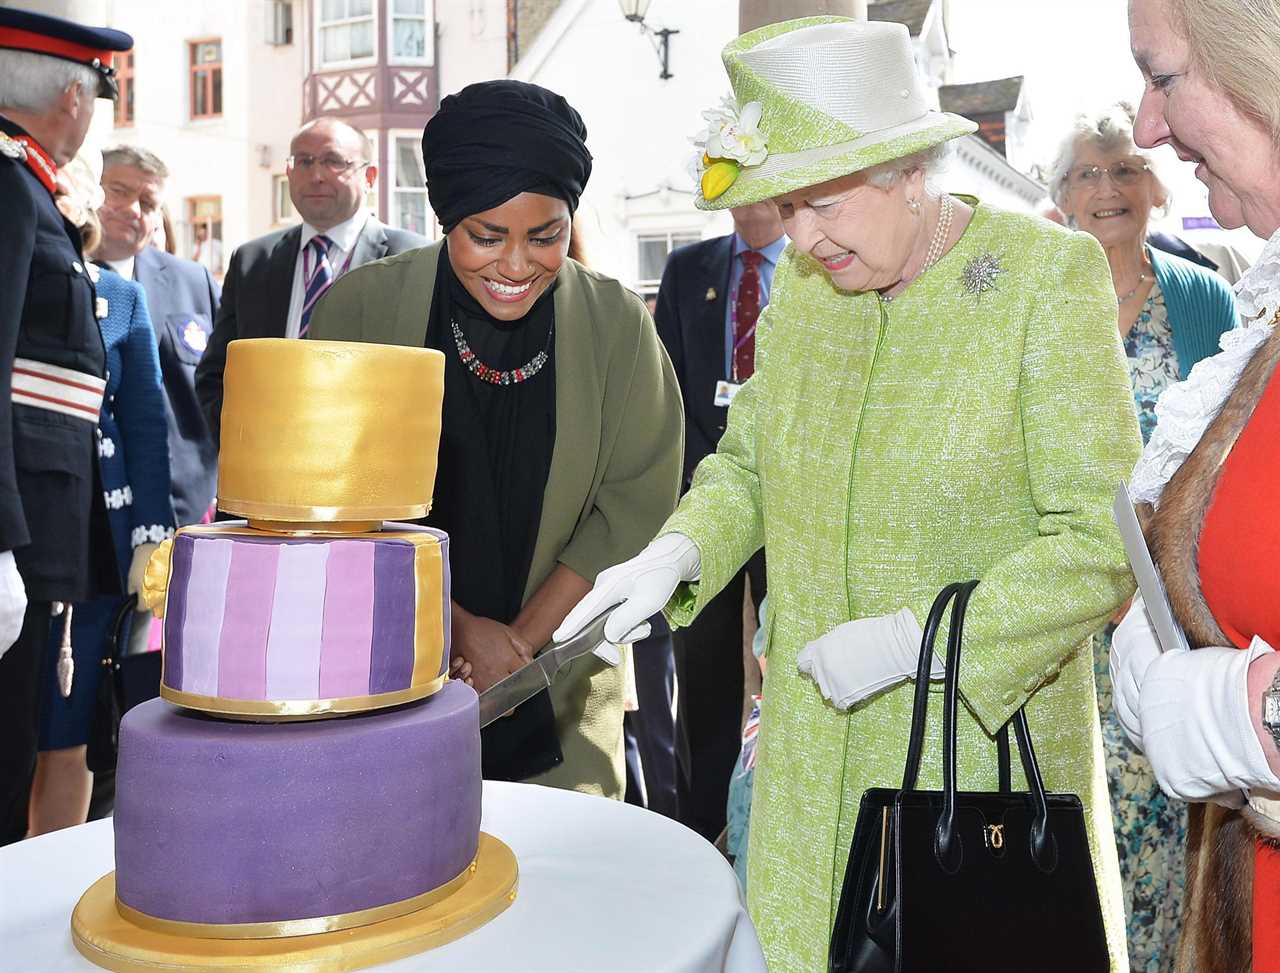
(107, 939)
(296, 710)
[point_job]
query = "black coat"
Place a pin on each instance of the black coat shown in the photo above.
(52, 514)
(690, 319)
(183, 301)
(259, 286)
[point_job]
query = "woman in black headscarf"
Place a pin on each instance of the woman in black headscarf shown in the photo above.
(562, 431)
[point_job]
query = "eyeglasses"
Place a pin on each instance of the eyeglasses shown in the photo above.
(336, 164)
(1121, 173)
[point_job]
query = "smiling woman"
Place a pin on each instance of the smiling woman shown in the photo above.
(1172, 314)
(508, 256)
(562, 429)
(1209, 720)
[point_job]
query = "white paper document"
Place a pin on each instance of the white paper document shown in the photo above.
(1168, 631)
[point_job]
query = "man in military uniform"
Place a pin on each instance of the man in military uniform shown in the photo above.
(52, 370)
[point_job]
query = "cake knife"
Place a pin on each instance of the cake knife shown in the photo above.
(533, 677)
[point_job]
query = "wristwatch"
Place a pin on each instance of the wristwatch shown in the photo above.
(1271, 709)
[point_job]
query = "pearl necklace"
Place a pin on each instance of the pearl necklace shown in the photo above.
(939, 241)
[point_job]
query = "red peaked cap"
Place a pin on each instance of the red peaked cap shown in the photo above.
(94, 47)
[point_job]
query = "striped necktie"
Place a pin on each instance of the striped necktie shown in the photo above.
(318, 273)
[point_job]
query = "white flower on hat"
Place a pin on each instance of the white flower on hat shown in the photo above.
(735, 134)
(731, 140)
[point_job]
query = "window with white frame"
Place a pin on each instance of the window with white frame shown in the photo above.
(281, 202)
(409, 207)
(652, 250)
(411, 31)
(346, 32)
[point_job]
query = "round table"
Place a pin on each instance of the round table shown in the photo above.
(604, 886)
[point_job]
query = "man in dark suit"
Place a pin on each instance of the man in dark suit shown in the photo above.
(183, 301)
(53, 521)
(274, 281)
(710, 296)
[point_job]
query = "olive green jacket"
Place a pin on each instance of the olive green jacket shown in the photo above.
(975, 427)
(615, 466)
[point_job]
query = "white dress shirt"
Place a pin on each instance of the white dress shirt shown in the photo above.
(122, 267)
(343, 237)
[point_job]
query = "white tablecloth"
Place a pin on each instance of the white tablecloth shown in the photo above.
(604, 886)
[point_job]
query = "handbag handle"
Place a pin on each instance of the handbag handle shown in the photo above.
(920, 706)
(946, 845)
(924, 667)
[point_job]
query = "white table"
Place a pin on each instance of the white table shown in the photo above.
(604, 886)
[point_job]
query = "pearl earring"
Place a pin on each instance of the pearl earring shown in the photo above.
(914, 206)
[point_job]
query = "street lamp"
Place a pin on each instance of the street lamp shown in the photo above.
(634, 11)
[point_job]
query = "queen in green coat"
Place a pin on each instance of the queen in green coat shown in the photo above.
(939, 394)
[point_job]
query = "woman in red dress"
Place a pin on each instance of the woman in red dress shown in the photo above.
(1209, 719)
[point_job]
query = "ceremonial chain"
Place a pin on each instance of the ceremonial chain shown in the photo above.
(939, 241)
(493, 376)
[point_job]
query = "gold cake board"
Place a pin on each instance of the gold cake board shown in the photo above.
(106, 938)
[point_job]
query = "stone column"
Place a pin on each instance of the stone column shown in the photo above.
(758, 13)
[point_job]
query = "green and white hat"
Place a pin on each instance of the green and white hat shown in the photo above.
(814, 99)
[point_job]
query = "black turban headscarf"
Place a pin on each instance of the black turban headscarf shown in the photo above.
(497, 139)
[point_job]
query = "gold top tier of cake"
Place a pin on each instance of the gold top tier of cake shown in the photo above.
(329, 434)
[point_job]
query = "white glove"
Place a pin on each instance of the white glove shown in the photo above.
(137, 568)
(13, 602)
(866, 656)
(1196, 726)
(1134, 647)
(639, 587)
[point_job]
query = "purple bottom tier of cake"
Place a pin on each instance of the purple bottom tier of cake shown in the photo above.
(226, 822)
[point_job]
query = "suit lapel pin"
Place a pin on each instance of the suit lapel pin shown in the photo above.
(711, 294)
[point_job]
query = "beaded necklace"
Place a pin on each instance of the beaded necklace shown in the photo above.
(493, 376)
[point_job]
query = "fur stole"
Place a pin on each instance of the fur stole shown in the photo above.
(1217, 912)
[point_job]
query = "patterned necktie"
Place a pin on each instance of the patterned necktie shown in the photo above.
(318, 277)
(746, 309)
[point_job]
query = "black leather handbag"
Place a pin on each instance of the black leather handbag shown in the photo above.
(129, 678)
(956, 880)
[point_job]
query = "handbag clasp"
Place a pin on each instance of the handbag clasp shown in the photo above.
(993, 836)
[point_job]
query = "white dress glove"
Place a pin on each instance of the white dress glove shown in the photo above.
(137, 568)
(1196, 727)
(13, 601)
(1134, 647)
(639, 587)
(866, 656)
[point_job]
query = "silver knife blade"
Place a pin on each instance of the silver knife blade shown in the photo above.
(533, 677)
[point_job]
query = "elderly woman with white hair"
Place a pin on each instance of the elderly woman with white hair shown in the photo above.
(1209, 719)
(1171, 311)
(1171, 314)
(939, 394)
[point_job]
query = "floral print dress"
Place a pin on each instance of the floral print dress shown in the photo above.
(1150, 827)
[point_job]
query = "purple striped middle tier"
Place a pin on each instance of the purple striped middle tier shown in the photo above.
(284, 626)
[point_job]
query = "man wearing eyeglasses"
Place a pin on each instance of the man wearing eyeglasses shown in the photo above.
(182, 299)
(273, 282)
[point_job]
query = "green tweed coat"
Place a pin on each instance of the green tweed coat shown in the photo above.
(615, 466)
(881, 451)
